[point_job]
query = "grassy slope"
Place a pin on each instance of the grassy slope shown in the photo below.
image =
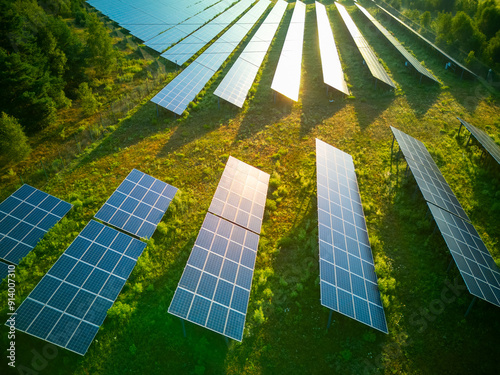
(292, 338)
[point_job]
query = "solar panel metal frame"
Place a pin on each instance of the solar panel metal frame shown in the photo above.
(348, 282)
(241, 195)
(484, 139)
(139, 202)
(71, 301)
(429, 178)
(287, 76)
(475, 263)
(371, 60)
(399, 47)
(428, 42)
(25, 217)
(215, 286)
(333, 74)
(236, 84)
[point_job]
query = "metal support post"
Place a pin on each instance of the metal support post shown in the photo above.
(449, 266)
(329, 319)
(470, 136)
(183, 327)
(470, 306)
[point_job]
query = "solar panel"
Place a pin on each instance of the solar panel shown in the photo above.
(177, 95)
(215, 286)
(4, 271)
(25, 217)
(429, 179)
(407, 55)
(241, 195)
(333, 75)
(286, 78)
(348, 281)
(484, 139)
(474, 261)
(71, 301)
(138, 204)
(451, 59)
(238, 81)
(371, 60)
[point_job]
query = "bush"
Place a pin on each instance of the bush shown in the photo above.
(13, 142)
(89, 102)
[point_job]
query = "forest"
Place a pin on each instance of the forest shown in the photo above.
(76, 118)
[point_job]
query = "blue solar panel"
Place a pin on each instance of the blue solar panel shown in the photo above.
(215, 287)
(138, 204)
(241, 195)
(71, 301)
(4, 271)
(348, 282)
(25, 217)
(429, 179)
(474, 261)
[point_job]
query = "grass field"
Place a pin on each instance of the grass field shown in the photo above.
(285, 331)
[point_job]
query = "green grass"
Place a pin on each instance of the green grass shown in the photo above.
(285, 331)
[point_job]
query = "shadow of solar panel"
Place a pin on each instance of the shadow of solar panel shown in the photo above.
(25, 217)
(484, 139)
(138, 204)
(473, 260)
(429, 179)
(348, 282)
(71, 301)
(215, 286)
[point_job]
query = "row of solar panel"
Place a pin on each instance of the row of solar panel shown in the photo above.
(475, 263)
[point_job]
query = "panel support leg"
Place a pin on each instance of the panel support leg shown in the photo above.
(470, 136)
(449, 266)
(462, 75)
(157, 112)
(421, 76)
(329, 319)
(218, 103)
(460, 128)
(226, 340)
(470, 306)
(183, 327)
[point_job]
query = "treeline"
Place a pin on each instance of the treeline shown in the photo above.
(46, 50)
(469, 25)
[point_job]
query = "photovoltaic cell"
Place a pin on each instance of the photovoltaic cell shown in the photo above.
(407, 55)
(241, 195)
(348, 282)
(25, 217)
(71, 301)
(238, 81)
(474, 261)
(429, 179)
(333, 75)
(215, 286)
(138, 204)
(286, 78)
(4, 271)
(484, 139)
(371, 60)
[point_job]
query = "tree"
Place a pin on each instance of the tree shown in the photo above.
(488, 18)
(425, 19)
(89, 102)
(13, 142)
(99, 46)
(465, 32)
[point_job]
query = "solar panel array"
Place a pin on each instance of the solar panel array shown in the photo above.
(371, 60)
(429, 179)
(407, 55)
(333, 75)
(71, 301)
(474, 261)
(138, 204)
(286, 78)
(448, 57)
(214, 289)
(4, 271)
(146, 19)
(238, 81)
(177, 95)
(347, 273)
(484, 139)
(25, 217)
(171, 36)
(187, 48)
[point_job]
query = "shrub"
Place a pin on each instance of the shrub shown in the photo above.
(13, 142)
